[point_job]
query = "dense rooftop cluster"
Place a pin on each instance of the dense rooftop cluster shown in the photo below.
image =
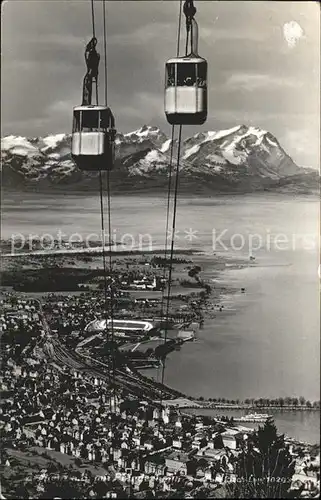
(89, 439)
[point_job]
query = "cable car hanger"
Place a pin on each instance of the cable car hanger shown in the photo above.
(186, 79)
(185, 104)
(92, 59)
(189, 10)
(93, 134)
(93, 149)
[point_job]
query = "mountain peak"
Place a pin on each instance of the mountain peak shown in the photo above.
(145, 131)
(51, 141)
(241, 157)
(16, 144)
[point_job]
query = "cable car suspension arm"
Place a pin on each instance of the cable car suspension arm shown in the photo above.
(191, 26)
(189, 10)
(92, 61)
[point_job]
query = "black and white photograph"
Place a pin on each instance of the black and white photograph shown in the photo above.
(160, 249)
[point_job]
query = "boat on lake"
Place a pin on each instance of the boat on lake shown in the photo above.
(253, 417)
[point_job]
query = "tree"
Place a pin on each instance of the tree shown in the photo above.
(21, 492)
(101, 488)
(263, 460)
(302, 400)
(62, 489)
(218, 442)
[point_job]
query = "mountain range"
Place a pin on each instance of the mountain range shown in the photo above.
(240, 159)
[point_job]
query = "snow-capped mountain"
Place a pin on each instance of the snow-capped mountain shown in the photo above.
(241, 158)
(247, 146)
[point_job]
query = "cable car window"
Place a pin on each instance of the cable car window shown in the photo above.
(170, 75)
(201, 74)
(186, 74)
(90, 120)
(76, 122)
(105, 118)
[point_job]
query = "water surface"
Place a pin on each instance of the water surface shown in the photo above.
(266, 341)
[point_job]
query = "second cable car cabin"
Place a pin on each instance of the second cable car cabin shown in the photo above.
(93, 138)
(186, 90)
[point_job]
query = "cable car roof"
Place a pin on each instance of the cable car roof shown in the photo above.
(91, 107)
(186, 59)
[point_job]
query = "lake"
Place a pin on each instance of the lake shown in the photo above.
(301, 425)
(265, 343)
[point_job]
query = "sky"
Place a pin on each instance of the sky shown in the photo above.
(255, 77)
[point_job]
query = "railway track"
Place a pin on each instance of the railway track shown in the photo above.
(130, 379)
(135, 383)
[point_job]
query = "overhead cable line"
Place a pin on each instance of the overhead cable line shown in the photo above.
(110, 242)
(168, 205)
(185, 104)
(103, 228)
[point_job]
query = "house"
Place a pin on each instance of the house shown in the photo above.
(148, 445)
(208, 474)
(200, 474)
(136, 441)
(155, 466)
(116, 454)
(156, 414)
(178, 423)
(214, 455)
(177, 442)
(232, 439)
(165, 415)
(176, 461)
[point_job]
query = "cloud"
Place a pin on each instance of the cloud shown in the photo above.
(144, 34)
(251, 81)
(302, 140)
(214, 33)
(303, 144)
(239, 116)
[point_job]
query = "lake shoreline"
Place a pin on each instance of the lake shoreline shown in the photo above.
(199, 405)
(264, 341)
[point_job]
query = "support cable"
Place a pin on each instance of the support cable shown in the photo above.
(170, 180)
(168, 204)
(93, 18)
(172, 140)
(94, 36)
(189, 11)
(172, 241)
(102, 199)
(113, 367)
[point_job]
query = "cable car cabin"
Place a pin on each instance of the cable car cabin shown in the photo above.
(186, 90)
(93, 135)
